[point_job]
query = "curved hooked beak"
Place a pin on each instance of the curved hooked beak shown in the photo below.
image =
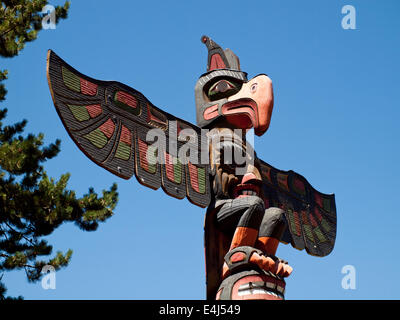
(251, 106)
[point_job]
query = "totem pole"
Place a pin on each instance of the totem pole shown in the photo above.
(251, 206)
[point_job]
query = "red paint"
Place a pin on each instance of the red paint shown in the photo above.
(211, 112)
(240, 121)
(178, 128)
(245, 186)
(317, 213)
(94, 110)
(152, 117)
(243, 113)
(143, 154)
(238, 256)
(216, 62)
(299, 185)
(126, 136)
(127, 99)
(169, 166)
(194, 179)
(297, 222)
(267, 173)
(255, 278)
(88, 88)
(318, 199)
(108, 128)
(313, 222)
(283, 180)
(304, 218)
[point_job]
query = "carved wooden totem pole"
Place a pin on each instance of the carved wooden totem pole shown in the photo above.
(252, 206)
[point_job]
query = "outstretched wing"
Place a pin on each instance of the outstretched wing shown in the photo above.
(311, 215)
(110, 122)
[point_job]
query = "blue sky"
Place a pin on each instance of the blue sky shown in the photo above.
(335, 121)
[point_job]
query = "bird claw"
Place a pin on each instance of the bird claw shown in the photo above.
(237, 259)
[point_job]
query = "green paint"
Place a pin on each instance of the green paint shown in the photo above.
(152, 153)
(177, 171)
(291, 221)
(97, 138)
(201, 177)
(327, 205)
(80, 113)
(308, 232)
(319, 234)
(123, 151)
(325, 225)
(71, 80)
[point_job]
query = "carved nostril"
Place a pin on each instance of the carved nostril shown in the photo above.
(253, 87)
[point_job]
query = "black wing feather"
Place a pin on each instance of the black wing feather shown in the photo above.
(310, 214)
(109, 122)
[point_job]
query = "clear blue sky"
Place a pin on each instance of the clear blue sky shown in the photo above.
(335, 122)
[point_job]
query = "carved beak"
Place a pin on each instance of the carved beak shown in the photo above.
(251, 106)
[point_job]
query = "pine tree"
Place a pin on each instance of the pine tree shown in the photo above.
(32, 205)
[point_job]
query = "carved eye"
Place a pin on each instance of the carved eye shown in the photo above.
(253, 87)
(223, 89)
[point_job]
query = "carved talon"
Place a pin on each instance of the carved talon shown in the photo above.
(272, 264)
(239, 257)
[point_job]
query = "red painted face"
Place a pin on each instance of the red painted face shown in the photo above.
(252, 106)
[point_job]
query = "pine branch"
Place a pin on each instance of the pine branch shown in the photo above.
(32, 205)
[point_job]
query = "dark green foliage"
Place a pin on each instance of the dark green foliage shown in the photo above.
(21, 20)
(32, 205)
